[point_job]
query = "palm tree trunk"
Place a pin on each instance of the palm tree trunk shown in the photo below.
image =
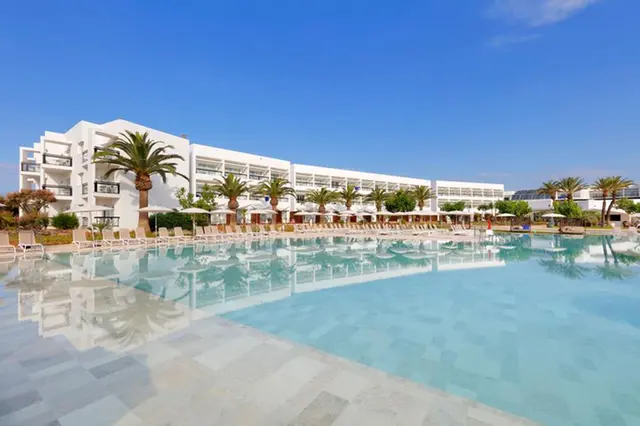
(274, 207)
(143, 217)
(604, 206)
(613, 201)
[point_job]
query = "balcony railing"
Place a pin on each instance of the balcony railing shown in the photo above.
(102, 187)
(30, 167)
(206, 171)
(254, 176)
(111, 221)
(61, 190)
(57, 160)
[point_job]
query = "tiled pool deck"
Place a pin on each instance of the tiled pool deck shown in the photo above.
(197, 370)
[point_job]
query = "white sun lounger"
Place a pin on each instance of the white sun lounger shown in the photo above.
(80, 239)
(5, 245)
(27, 242)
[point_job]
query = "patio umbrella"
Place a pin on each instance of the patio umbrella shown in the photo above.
(155, 209)
(553, 216)
(193, 211)
(509, 215)
(89, 209)
(307, 214)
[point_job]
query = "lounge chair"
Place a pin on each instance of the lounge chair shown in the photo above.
(212, 233)
(141, 235)
(199, 235)
(80, 239)
(109, 238)
(5, 244)
(125, 236)
(178, 235)
(27, 242)
(163, 235)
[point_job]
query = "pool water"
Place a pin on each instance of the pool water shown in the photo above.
(543, 327)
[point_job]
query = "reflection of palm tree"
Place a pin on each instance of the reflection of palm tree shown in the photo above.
(277, 271)
(133, 323)
(614, 272)
(568, 268)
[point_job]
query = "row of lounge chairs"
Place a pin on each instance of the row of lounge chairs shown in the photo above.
(381, 228)
(26, 243)
(207, 233)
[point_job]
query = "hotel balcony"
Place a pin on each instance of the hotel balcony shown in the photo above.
(105, 188)
(57, 161)
(59, 190)
(30, 167)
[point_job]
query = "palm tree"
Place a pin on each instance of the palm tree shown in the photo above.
(322, 197)
(618, 183)
(377, 196)
(550, 188)
(139, 154)
(349, 195)
(421, 194)
(275, 189)
(571, 185)
(232, 188)
(604, 185)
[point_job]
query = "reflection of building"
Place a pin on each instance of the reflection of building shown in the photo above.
(94, 312)
(61, 162)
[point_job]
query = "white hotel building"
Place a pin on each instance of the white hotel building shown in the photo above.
(61, 162)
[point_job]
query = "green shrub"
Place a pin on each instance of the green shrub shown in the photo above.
(172, 219)
(65, 221)
(35, 221)
(569, 208)
(7, 220)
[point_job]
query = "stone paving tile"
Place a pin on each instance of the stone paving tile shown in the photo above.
(104, 412)
(219, 357)
(347, 385)
(322, 411)
(18, 402)
(113, 366)
(63, 403)
(284, 383)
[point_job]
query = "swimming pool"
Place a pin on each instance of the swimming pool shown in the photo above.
(543, 327)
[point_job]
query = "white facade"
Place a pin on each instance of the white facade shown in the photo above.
(474, 194)
(61, 162)
(307, 178)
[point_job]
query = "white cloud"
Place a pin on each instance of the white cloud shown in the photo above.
(503, 40)
(537, 13)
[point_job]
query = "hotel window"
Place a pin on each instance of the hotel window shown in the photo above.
(498, 193)
(443, 191)
(465, 192)
(300, 198)
(454, 192)
(487, 192)
(477, 192)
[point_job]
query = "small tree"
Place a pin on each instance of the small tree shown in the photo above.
(628, 205)
(400, 201)
(458, 206)
(518, 208)
(65, 221)
(569, 208)
(30, 200)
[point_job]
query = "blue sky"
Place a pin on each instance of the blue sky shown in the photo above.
(513, 91)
